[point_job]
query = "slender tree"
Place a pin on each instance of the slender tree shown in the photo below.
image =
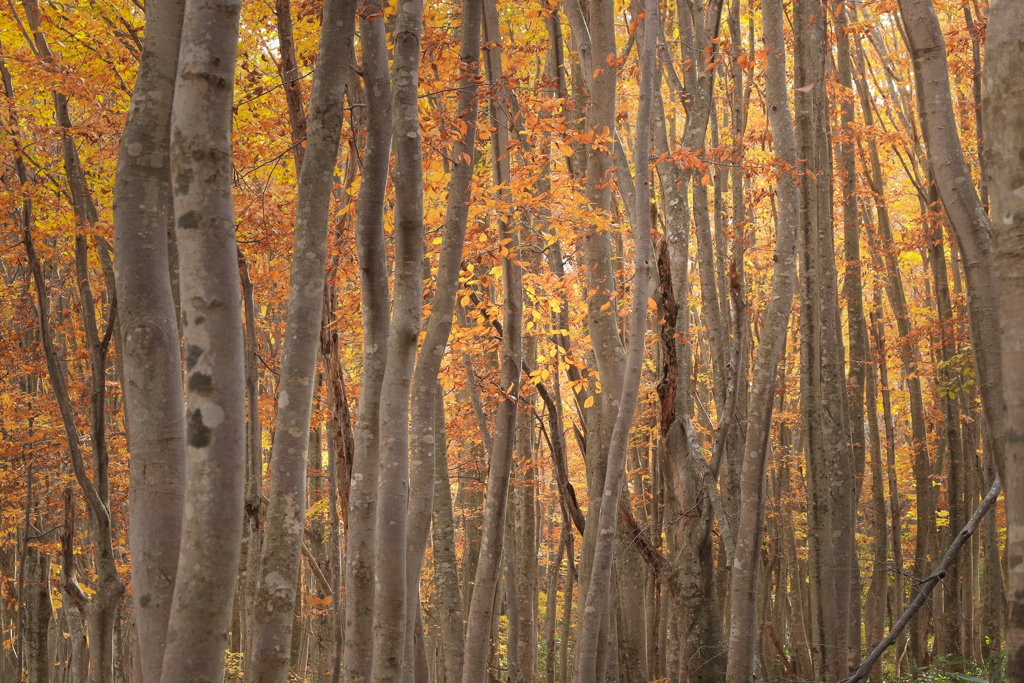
(359, 548)
(743, 605)
(149, 339)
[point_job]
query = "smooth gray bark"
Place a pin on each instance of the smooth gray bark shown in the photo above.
(597, 596)
(427, 399)
(1003, 113)
(100, 610)
(481, 606)
(280, 560)
(967, 216)
(150, 352)
(389, 612)
(214, 360)
(373, 273)
(743, 595)
(446, 571)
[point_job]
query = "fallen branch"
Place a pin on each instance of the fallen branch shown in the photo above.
(928, 584)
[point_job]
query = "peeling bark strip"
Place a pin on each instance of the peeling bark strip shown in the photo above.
(286, 514)
(149, 338)
(211, 311)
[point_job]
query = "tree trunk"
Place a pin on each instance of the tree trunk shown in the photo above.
(35, 567)
(150, 352)
(743, 618)
(390, 607)
(874, 617)
(597, 599)
(1004, 167)
(211, 308)
(482, 602)
(373, 273)
(856, 324)
(446, 574)
(427, 401)
(280, 560)
(963, 207)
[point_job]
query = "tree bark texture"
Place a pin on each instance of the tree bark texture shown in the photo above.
(427, 400)
(963, 206)
(488, 566)
(286, 513)
(390, 607)
(211, 309)
(597, 599)
(150, 351)
(1003, 113)
(743, 605)
(373, 273)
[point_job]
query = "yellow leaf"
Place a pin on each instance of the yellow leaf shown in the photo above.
(589, 403)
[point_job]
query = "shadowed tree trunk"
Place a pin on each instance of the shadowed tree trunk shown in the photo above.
(390, 606)
(150, 352)
(964, 210)
(1003, 111)
(100, 610)
(598, 593)
(481, 607)
(373, 273)
(427, 406)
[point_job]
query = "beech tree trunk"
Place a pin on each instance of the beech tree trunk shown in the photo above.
(963, 206)
(373, 273)
(425, 442)
(100, 610)
(150, 351)
(280, 561)
(743, 618)
(481, 607)
(35, 572)
(390, 606)
(1003, 113)
(446, 574)
(597, 599)
(211, 309)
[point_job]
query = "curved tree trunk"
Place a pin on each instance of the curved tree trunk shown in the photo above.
(488, 566)
(373, 273)
(963, 207)
(281, 553)
(150, 351)
(597, 595)
(427, 400)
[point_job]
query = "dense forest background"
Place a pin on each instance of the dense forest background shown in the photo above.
(493, 341)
